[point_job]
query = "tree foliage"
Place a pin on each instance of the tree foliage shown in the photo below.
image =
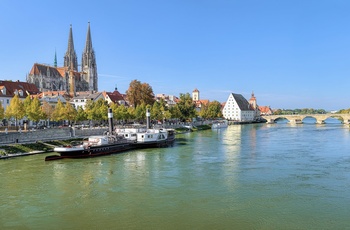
(139, 93)
(211, 110)
(81, 114)
(186, 107)
(35, 112)
(70, 113)
(48, 110)
(2, 111)
(15, 109)
(59, 112)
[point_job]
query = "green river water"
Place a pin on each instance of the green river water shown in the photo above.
(262, 176)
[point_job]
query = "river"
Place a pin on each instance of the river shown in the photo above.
(264, 176)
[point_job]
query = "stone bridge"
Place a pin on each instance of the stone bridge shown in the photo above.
(298, 119)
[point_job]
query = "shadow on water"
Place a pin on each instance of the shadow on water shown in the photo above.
(181, 141)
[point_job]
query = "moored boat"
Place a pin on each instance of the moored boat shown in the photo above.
(92, 147)
(115, 141)
(147, 138)
(219, 124)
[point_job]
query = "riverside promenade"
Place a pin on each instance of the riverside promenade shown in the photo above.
(30, 136)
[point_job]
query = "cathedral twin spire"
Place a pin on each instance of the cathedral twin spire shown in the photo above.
(88, 65)
(70, 59)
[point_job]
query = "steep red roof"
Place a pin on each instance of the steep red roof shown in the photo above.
(38, 69)
(115, 96)
(16, 86)
(265, 109)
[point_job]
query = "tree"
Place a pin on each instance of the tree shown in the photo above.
(186, 107)
(48, 110)
(15, 109)
(70, 113)
(175, 112)
(139, 93)
(59, 112)
(140, 112)
(2, 112)
(26, 104)
(214, 110)
(34, 111)
(96, 110)
(81, 115)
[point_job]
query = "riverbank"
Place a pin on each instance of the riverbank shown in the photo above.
(27, 149)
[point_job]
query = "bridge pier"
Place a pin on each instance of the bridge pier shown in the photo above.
(296, 121)
(319, 121)
(270, 121)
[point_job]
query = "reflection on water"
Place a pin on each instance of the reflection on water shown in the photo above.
(266, 176)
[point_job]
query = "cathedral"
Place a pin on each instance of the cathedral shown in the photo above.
(68, 78)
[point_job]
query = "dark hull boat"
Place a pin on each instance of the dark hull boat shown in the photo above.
(116, 142)
(93, 147)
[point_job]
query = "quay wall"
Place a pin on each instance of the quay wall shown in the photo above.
(30, 136)
(47, 135)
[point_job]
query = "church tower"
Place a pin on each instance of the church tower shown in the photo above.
(195, 95)
(70, 58)
(88, 63)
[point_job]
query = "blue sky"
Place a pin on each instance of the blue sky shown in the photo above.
(292, 54)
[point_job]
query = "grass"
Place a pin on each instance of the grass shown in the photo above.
(30, 147)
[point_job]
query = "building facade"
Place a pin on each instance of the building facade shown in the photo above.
(237, 108)
(68, 77)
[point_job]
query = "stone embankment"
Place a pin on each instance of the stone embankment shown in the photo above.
(47, 134)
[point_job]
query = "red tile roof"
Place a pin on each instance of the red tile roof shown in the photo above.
(13, 86)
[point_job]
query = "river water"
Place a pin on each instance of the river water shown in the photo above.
(277, 176)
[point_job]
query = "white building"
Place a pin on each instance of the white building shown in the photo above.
(237, 108)
(82, 97)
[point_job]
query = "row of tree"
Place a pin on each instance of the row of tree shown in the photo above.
(140, 96)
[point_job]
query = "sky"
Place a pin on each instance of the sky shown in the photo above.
(290, 53)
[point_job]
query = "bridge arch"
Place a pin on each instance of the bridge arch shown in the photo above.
(298, 119)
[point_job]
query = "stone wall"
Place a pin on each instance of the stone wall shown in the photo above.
(47, 134)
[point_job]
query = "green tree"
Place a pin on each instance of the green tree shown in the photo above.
(27, 106)
(186, 107)
(214, 110)
(35, 111)
(156, 111)
(97, 110)
(140, 112)
(59, 112)
(2, 112)
(81, 115)
(15, 109)
(70, 113)
(175, 112)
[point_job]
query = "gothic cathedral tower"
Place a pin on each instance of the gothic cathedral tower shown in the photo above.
(70, 58)
(88, 63)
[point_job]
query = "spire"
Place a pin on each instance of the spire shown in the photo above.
(88, 65)
(55, 62)
(88, 45)
(70, 40)
(70, 59)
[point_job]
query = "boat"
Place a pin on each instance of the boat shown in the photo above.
(99, 145)
(219, 124)
(92, 147)
(116, 141)
(147, 138)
